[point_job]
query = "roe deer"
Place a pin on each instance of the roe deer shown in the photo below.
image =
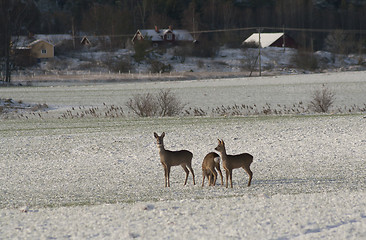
(229, 162)
(174, 158)
(210, 162)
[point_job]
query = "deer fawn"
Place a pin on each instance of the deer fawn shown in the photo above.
(231, 162)
(174, 158)
(210, 162)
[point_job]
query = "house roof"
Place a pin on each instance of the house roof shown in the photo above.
(266, 38)
(180, 35)
(54, 39)
(38, 41)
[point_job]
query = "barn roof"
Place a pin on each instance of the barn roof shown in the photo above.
(266, 38)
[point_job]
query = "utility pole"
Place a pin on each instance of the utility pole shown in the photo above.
(284, 39)
(259, 53)
(73, 32)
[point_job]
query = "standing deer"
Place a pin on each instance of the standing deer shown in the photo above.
(231, 162)
(174, 158)
(210, 162)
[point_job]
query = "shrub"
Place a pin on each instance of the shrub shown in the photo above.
(322, 100)
(159, 67)
(208, 49)
(181, 53)
(22, 59)
(200, 64)
(169, 105)
(251, 59)
(65, 47)
(340, 42)
(143, 105)
(305, 60)
(141, 50)
(119, 65)
(148, 105)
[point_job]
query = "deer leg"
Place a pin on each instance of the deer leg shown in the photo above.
(204, 175)
(165, 175)
(214, 173)
(231, 178)
(168, 175)
(187, 173)
(227, 177)
(222, 179)
(250, 173)
(190, 168)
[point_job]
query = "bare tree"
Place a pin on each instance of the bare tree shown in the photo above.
(148, 105)
(322, 100)
(12, 16)
(169, 104)
(143, 105)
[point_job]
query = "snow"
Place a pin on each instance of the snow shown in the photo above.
(274, 61)
(102, 178)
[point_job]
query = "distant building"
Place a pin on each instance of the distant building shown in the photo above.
(37, 49)
(85, 41)
(94, 41)
(271, 40)
(160, 36)
(39, 46)
(41, 49)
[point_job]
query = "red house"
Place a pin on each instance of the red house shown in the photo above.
(160, 36)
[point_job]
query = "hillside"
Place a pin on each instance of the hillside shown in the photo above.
(229, 62)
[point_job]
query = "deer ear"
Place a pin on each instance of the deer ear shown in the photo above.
(156, 135)
(222, 142)
(163, 134)
(219, 141)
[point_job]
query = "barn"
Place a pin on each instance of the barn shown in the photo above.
(271, 40)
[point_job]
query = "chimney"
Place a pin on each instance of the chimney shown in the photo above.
(30, 35)
(170, 27)
(156, 29)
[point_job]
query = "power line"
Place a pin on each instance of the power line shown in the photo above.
(361, 31)
(319, 30)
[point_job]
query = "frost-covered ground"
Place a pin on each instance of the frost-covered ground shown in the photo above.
(101, 178)
(348, 87)
(88, 64)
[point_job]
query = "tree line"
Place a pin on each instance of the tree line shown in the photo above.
(121, 18)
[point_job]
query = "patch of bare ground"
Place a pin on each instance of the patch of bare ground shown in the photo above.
(12, 106)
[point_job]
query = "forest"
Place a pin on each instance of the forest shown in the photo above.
(121, 18)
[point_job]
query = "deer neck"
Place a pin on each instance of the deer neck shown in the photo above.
(223, 155)
(161, 149)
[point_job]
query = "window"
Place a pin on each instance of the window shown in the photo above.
(169, 37)
(43, 51)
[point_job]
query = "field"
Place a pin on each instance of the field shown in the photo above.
(102, 178)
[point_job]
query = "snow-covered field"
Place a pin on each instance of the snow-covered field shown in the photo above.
(102, 178)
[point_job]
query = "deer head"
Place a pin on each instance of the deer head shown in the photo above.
(159, 139)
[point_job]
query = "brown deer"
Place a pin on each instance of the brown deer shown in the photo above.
(230, 162)
(174, 158)
(210, 162)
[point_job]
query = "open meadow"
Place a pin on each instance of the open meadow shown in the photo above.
(101, 177)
